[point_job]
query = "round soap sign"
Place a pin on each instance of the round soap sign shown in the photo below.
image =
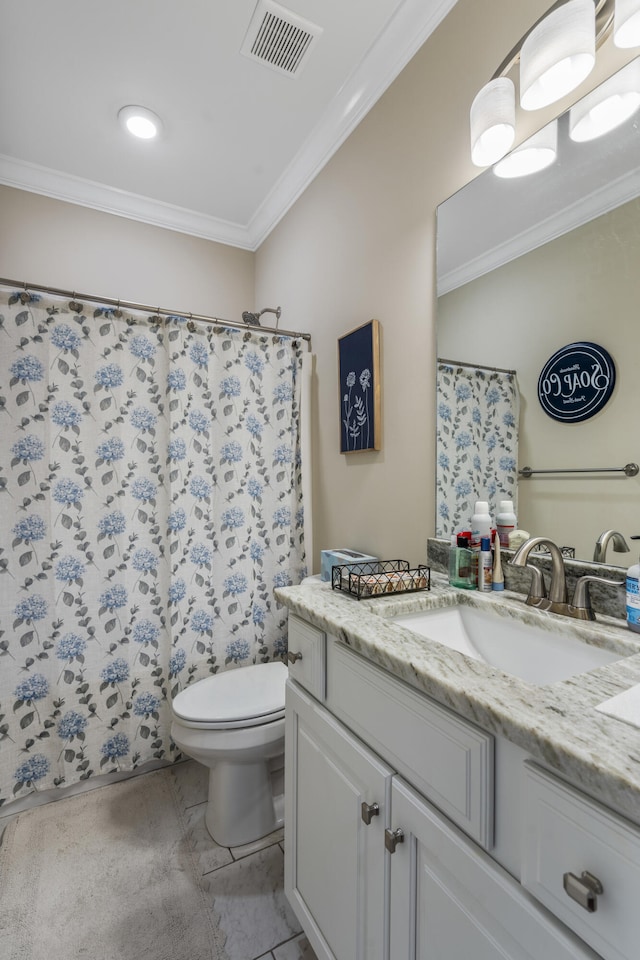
(576, 382)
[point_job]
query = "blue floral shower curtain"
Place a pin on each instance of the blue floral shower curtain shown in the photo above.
(476, 443)
(151, 500)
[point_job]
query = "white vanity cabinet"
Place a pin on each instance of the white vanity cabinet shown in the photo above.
(334, 860)
(374, 869)
(450, 901)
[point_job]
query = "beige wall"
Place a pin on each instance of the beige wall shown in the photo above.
(63, 245)
(582, 286)
(358, 244)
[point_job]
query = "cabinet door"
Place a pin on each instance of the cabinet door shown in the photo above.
(450, 901)
(334, 861)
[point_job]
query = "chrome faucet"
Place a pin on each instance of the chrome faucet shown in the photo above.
(557, 599)
(620, 545)
(557, 602)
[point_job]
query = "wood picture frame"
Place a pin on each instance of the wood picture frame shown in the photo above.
(360, 389)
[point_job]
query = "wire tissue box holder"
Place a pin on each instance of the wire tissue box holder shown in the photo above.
(379, 578)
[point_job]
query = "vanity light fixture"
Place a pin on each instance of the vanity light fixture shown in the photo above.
(536, 153)
(606, 107)
(558, 53)
(554, 57)
(493, 121)
(140, 122)
(626, 32)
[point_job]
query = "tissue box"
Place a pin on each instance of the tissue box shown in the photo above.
(332, 558)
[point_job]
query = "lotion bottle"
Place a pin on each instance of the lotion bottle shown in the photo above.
(480, 523)
(506, 522)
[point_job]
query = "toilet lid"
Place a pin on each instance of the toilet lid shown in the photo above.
(248, 693)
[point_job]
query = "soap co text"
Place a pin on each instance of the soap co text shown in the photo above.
(576, 382)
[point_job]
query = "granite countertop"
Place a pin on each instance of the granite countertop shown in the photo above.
(556, 724)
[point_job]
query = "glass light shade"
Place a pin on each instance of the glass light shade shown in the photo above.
(626, 23)
(140, 122)
(608, 106)
(536, 153)
(558, 54)
(493, 121)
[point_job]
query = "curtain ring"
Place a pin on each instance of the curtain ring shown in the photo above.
(191, 327)
(117, 312)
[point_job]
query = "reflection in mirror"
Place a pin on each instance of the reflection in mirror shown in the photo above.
(527, 266)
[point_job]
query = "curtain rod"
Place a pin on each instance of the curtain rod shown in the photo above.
(145, 308)
(475, 366)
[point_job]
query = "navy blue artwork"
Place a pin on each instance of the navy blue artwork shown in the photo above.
(576, 382)
(359, 379)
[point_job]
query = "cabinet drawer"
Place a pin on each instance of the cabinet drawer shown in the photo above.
(565, 832)
(309, 645)
(449, 760)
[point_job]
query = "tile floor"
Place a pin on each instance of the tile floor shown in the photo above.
(247, 882)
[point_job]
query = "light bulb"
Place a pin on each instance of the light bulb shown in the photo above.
(140, 122)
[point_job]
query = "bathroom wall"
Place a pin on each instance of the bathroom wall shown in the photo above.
(359, 243)
(63, 245)
(582, 286)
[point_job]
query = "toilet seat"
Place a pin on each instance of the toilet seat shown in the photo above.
(244, 697)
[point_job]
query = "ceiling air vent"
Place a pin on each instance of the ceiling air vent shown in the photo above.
(279, 38)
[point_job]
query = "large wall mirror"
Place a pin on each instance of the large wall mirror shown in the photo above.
(527, 266)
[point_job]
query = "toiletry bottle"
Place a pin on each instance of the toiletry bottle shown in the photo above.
(485, 561)
(480, 523)
(460, 571)
(497, 581)
(633, 596)
(505, 521)
(480, 527)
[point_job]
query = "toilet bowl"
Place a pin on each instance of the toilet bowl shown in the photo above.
(233, 723)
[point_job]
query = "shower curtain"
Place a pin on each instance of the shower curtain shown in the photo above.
(476, 443)
(150, 482)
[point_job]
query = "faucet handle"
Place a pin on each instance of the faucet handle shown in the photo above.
(537, 590)
(581, 606)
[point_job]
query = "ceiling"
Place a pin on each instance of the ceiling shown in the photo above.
(241, 140)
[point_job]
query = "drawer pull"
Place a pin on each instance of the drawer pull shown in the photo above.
(583, 889)
(369, 810)
(292, 657)
(392, 838)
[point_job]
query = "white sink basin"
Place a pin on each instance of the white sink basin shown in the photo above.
(535, 655)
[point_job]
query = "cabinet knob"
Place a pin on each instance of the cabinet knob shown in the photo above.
(583, 889)
(392, 838)
(369, 810)
(292, 657)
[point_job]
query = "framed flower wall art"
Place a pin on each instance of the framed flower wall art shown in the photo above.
(359, 381)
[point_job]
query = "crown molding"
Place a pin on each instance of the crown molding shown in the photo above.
(601, 201)
(413, 22)
(87, 193)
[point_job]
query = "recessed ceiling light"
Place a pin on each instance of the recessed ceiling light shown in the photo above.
(140, 122)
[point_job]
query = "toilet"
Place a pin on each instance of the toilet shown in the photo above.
(233, 723)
